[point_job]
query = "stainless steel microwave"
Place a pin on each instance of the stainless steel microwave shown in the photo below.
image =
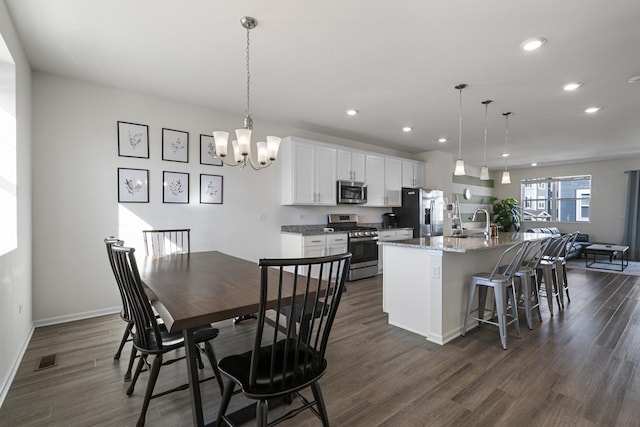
(351, 192)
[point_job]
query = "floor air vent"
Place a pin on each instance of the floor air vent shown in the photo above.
(47, 362)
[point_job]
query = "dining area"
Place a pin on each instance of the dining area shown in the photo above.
(377, 374)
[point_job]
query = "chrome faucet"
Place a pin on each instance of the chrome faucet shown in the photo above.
(487, 226)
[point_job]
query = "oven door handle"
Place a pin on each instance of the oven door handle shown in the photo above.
(363, 239)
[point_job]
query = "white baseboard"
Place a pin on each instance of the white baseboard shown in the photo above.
(77, 316)
(14, 369)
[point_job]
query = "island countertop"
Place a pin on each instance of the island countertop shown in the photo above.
(465, 244)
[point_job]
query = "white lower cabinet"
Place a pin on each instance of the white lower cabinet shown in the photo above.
(295, 245)
(393, 234)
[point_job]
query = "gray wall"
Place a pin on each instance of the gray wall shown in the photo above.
(608, 195)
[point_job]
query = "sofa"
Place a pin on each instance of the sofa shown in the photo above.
(573, 250)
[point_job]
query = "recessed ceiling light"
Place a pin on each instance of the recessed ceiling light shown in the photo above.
(505, 154)
(533, 44)
(442, 140)
(407, 129)
(571, 86)
(592, 110)
(352, 112)
(534, 164)
(634, 79)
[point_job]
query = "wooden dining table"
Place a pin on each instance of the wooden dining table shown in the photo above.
(199, 288)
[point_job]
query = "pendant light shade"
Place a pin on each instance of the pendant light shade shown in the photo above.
(506, 177)
(484, 172)
(459, 170)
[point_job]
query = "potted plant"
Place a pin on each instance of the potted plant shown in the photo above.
(506, 213)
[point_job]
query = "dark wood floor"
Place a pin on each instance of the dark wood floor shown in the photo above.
(578, 368)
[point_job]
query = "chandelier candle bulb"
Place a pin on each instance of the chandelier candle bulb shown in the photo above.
(236, 151)
(273, 145)
(221, 138)
(244, 141)
(262, 152)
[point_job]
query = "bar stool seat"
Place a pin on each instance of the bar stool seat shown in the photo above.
(503, 290)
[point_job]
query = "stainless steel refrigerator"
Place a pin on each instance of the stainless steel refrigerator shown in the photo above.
(422, 210)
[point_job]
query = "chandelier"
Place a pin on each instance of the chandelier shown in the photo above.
(267, 151)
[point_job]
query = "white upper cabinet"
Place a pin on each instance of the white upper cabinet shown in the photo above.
(393, 182)
(351, 165)
(384, 181)
(412, 174)
(308, 173)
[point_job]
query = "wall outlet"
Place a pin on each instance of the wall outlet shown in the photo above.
(302, 217)
(263, 217)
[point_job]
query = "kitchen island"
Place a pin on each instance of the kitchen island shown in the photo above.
(426, 280)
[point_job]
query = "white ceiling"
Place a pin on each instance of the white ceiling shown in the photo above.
(397, 62)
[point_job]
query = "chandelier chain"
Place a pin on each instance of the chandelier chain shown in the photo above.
(248, 111)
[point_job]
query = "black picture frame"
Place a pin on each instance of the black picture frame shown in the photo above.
(133, 140)
(133, 185)
(175, 187)
(208, 154)
(175, 145)
(211, 189)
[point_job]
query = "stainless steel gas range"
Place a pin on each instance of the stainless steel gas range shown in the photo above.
(363, 245)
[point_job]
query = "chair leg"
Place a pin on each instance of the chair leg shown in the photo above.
(536, 293)
(557, 286)
(151, 383)
(123, 341)
(199, 357)
(136, 374)
(566, 283)
(132, 358)
(511, 292)
(482, 302)
(322, 410)
(502, 317)
(226, 398)
(548, 288)
(525, 285)
(262, 408)
(211, 355)
(472, 290)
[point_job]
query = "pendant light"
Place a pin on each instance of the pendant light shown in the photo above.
(267, 151)
(506, 177)
(459, 170)
(484, 172)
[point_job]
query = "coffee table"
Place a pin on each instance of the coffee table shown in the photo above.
(607, 250)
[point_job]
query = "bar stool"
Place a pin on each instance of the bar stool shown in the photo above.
(548, 271)
(563, 261)
(503, 290)
(528, 279)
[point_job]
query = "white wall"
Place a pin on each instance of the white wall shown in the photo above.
(608, 195)
(15, 266)
(75, 193)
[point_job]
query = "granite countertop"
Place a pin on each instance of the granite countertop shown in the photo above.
(464, 245)
(314, 229)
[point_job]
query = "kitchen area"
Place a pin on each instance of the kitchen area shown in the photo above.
(422, 246)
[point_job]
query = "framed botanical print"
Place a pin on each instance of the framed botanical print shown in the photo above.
(175, 145)
(208, 154)
(175, 187)
(211, 189)
(133, 185)
(133, 140)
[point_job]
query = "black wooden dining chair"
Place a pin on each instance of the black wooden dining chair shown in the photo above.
(150, 338)
(284, 361)
(166, 242)
(125, 313)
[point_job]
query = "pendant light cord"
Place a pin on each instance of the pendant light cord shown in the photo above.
(460, 126)
(506, 140)
(486, 112)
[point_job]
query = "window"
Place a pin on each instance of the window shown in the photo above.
(559, 199)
